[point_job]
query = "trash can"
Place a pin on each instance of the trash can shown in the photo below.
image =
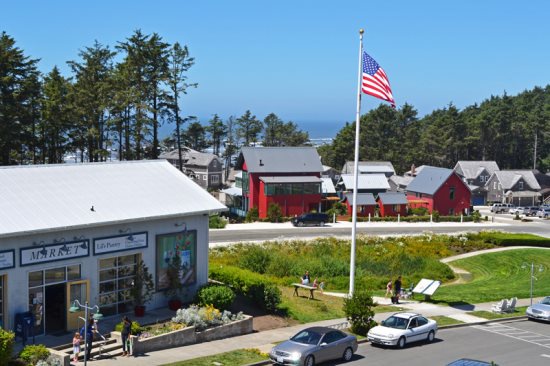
(24, 326)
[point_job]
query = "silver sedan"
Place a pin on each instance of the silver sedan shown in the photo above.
(314, 345)
(540, 310)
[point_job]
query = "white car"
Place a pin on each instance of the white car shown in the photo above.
(402, 328)
(540, 310)
(517, 210)
(543, 212)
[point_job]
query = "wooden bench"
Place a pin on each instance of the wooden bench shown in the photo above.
(310, 288)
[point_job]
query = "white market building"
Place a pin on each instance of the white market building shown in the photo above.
(76, 232)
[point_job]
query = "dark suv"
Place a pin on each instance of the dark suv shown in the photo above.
(310, 219)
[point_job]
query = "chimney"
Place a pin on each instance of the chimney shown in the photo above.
(413, 170)
(261, 163)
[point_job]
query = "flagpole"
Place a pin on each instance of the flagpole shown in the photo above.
(355, 170)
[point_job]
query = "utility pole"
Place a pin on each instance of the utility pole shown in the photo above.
(535, 153)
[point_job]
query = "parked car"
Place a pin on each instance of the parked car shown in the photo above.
(501, 207)
(530, 211)
(540, 310)
(310, 219)
(543, 212)
(314, 345)
(495, 207)
(517, 210)
(402, 328)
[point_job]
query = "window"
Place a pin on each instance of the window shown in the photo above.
(205, 177)
(422, 321)
(332, 337)
(451, 212)
(495, 185)
(396, 208)
(116, 277)
(214, 179)
(452, 193)
(520, 185)
(413, 323)
(245, 181)
(2, 302)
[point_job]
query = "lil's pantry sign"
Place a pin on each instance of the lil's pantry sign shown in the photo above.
(120, 243)
(54, 252)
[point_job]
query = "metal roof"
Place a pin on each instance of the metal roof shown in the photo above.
(42, 198)
(508, 178)
(471, 169)
(375, 169)
(429, 180)
(393, 198)
(191, 157)
(291, 179)
(349, 165)
(280, 160)
(365, 181)
(363, 199)
(327, 186)
(233, 191)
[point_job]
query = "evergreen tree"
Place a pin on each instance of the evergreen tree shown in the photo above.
(195, 137)
(249, 128)
(217, 131)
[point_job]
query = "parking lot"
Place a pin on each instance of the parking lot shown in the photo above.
(505, 343)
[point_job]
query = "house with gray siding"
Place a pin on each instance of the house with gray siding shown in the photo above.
(476, 174)
(205, 169)
(518, 187)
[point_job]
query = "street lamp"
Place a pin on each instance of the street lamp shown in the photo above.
(97, 316)
(541, 268)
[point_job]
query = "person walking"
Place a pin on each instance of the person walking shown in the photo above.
(76, 346)
(397, 289)
(389, 287)
(126, 333)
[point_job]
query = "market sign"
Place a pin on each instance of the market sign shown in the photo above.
(120, 243)
(7, 259)
(54, 252)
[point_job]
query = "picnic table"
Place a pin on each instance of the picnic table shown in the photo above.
(307, 287)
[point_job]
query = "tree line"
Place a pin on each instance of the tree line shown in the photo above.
(512, 130)
(116, 99)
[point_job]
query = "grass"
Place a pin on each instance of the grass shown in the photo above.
(445, 320)
(499, 275)
(490, 315)
(238, 357)
(323, 307)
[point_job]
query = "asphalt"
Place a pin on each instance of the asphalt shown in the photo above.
(265, 340)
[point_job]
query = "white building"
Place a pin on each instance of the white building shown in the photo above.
(76, 232)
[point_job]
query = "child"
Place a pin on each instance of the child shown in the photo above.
(76, 346)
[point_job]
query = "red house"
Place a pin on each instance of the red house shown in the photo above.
(287, 176)
(392, 204)
(365, 204)
(439, 189)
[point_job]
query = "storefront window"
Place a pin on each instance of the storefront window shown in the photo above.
(36, 278)
(116, 277)
(2, 301)
(55, 275)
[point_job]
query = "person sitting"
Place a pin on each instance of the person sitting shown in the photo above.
(305, 278)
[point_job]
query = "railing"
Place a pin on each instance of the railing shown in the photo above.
(237, 211)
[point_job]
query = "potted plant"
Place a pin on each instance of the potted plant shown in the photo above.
(143, 289)
(174, 283)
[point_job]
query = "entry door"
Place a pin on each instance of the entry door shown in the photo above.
(76, 290)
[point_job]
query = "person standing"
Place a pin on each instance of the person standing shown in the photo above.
(126, 333)
(76, 346)
(397, 289)
(388, 288)
(88, 333)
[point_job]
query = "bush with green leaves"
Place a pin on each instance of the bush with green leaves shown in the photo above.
(7, 340)
(217, 222)
(254, 258)
(252, 215)
(136, 328)
(274, 213)
(33, 353)
(436, 216)
(221, 297)
(359, 313)
(337, 209)
(419, 211)
(476, 216)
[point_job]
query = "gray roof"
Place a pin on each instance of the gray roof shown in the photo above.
(509, 178)
(365, 181)
(393, 198)
(363, 199)
(400, 180)
(280, 160)
(233, 191)
(417, 171)
(471, 169)
(429, 180)
(327, 186)
(190, 157)
(43, 198)
(349, 166)
(291, 179)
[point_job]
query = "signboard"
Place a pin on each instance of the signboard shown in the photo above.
(7, 259)
(54, 252)
(120, 243)
(183, 244)
(426, 287)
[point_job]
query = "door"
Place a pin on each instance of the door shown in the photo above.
(54, 308)
(76, 290)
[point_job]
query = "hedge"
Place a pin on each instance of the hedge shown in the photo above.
(249, 284)
(509, 239)
(415, 219)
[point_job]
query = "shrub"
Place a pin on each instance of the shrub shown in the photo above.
(358, 310)
(255, 258)
(435, 216)
(204, 317)
(7, 340)
(509, 239)
(419, 211)
(476, 216)
(135, 329)
(274, 213)
(34, 353)
(216, 222)
(338, 208)
(221, 297)
(252, 215)
(254, 286)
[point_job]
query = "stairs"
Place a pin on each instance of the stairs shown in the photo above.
(102, 348)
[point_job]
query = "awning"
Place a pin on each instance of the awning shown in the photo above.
(291, 179)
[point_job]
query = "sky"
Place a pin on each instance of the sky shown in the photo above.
(299, 59)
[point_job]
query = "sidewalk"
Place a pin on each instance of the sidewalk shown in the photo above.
(265, 340)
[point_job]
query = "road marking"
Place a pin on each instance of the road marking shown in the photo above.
(511, 332)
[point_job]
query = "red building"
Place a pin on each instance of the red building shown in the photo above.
(439, 189)
(366, 204)
(392, 204)
(286, 176)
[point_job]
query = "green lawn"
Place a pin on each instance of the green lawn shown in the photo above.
(323, 307)
(490, 315)
(238, 357)
(499, 275)
(445, 320)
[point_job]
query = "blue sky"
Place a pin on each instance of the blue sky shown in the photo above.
(298, 59)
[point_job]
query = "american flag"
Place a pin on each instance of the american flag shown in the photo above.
(375, 81)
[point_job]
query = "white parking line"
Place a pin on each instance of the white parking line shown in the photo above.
(511, 332)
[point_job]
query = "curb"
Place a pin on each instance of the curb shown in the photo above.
(365, 340)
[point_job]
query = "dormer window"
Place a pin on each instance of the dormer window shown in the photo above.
(520, 185)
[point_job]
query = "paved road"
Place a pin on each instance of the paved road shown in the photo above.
(512, 343)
